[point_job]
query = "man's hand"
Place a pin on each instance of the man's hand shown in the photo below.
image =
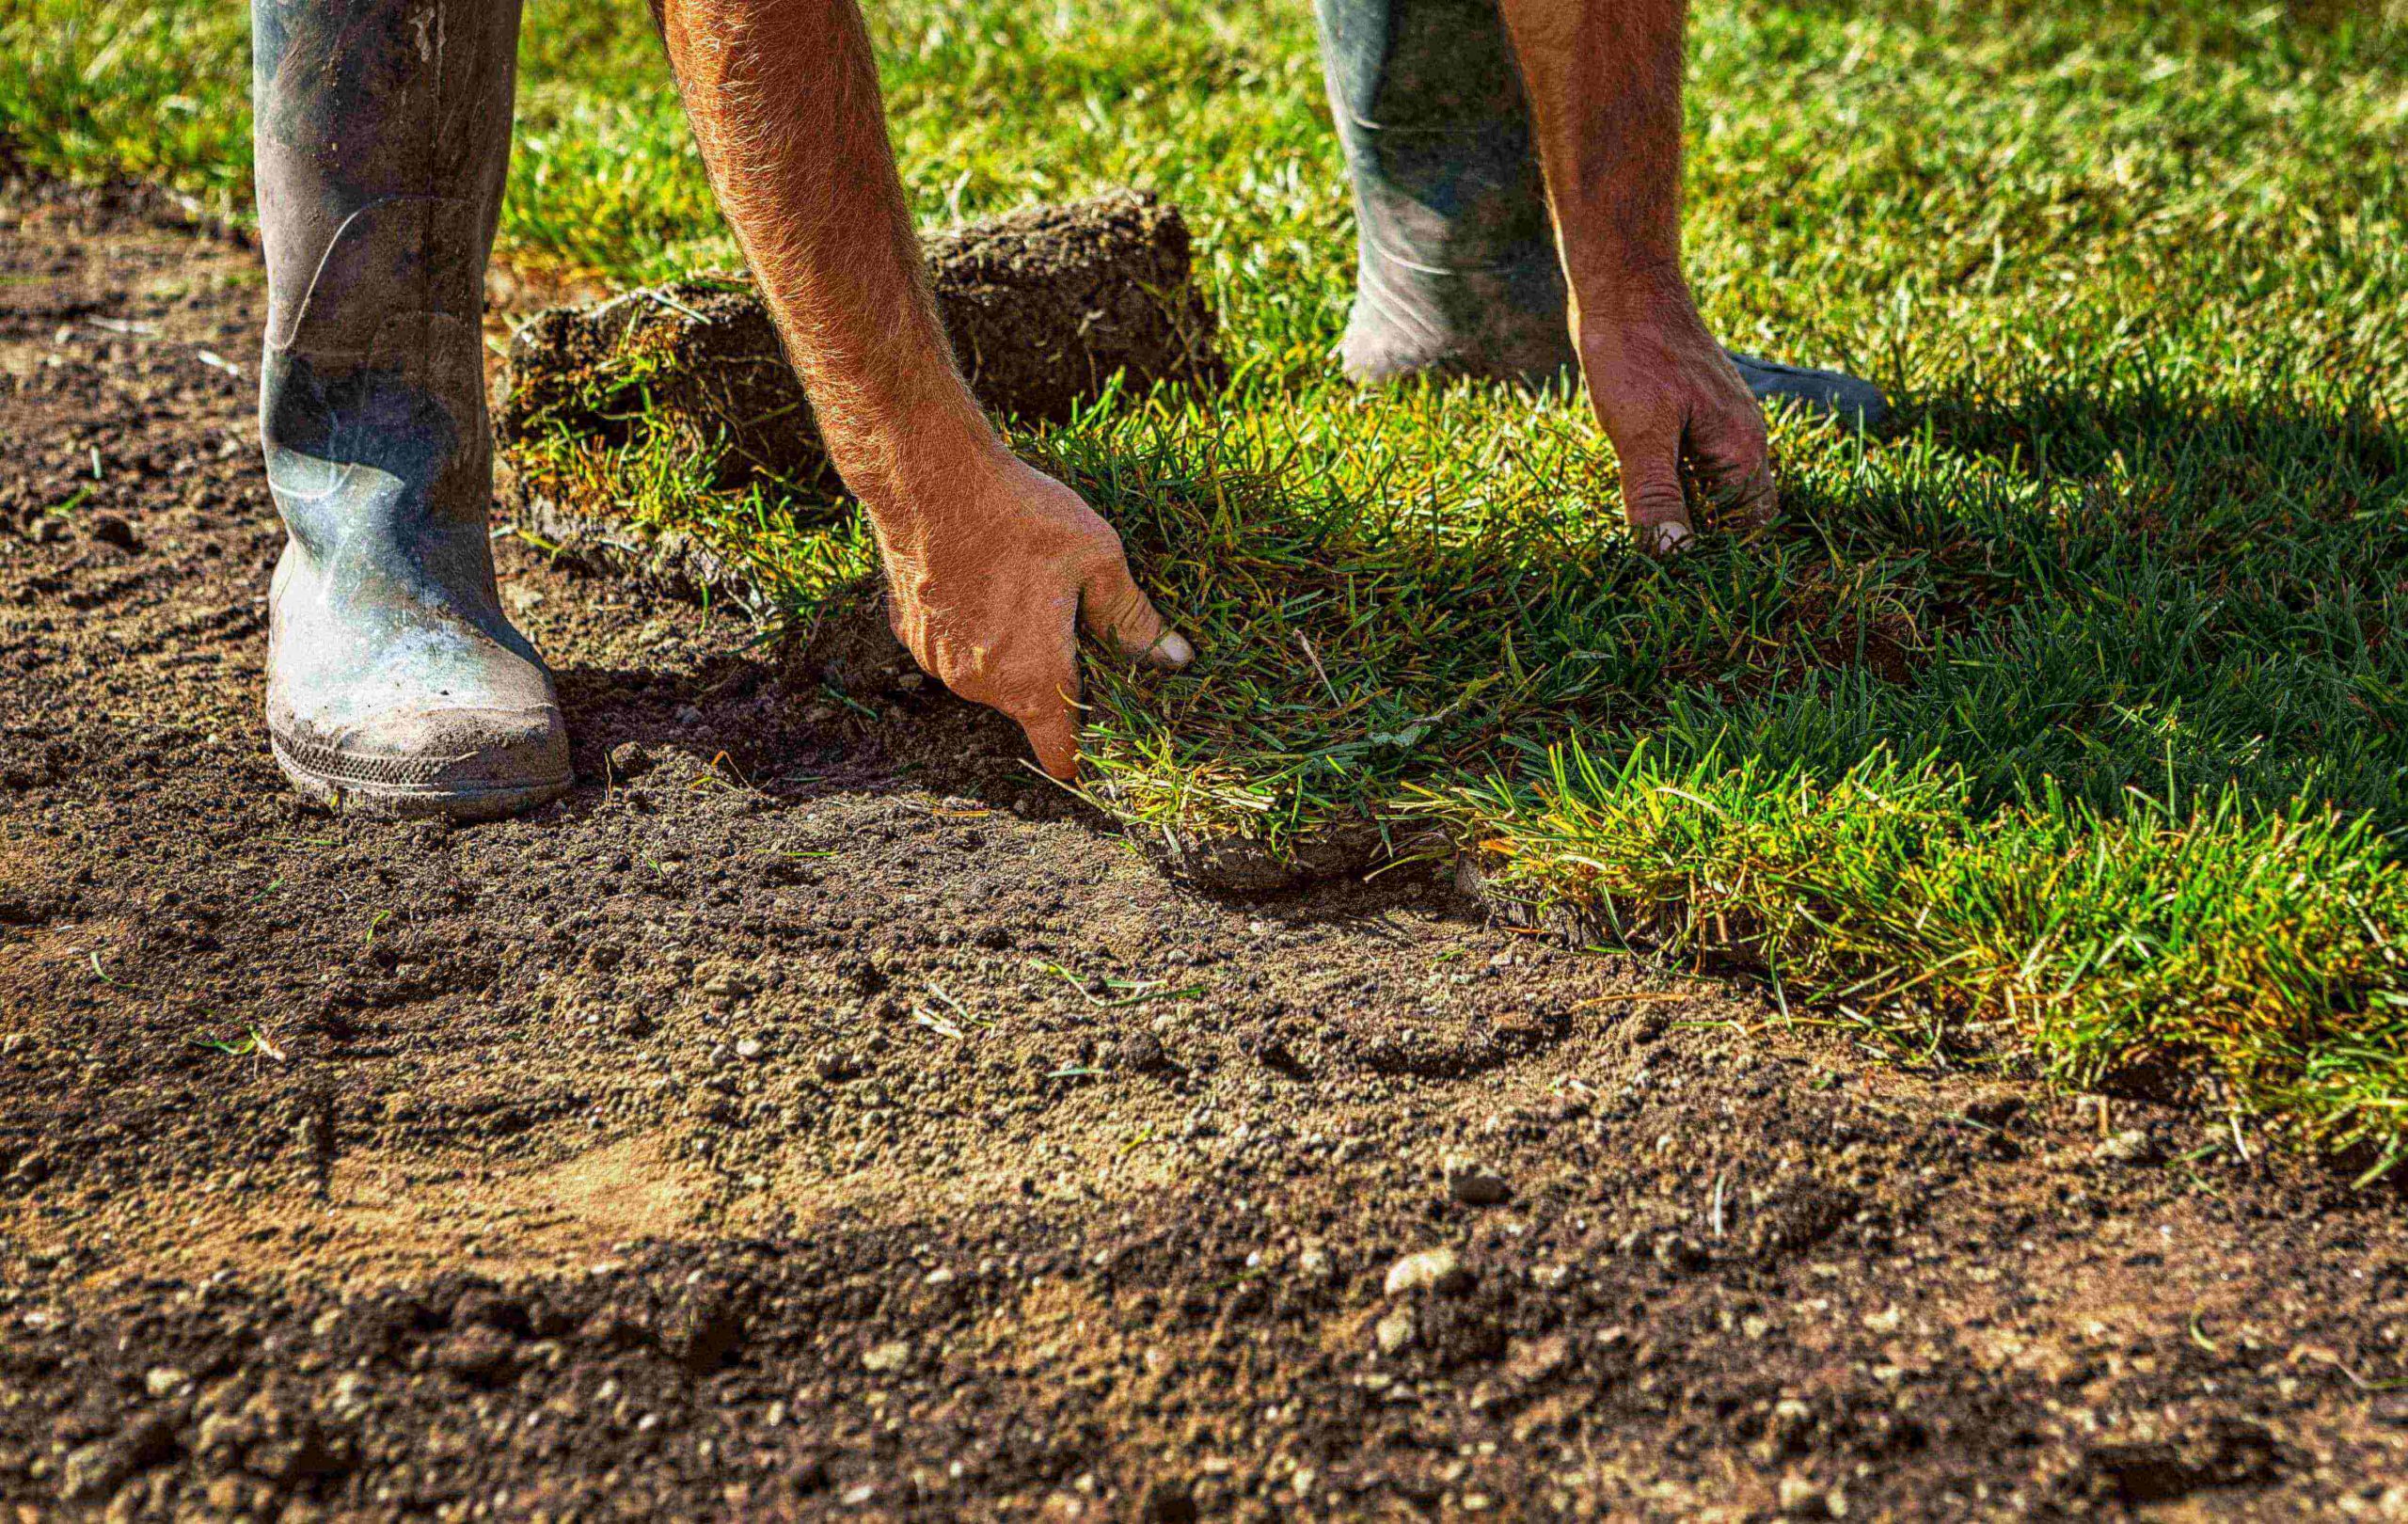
(991, 564)
(1667, 395)
(1605, 85)
(988, 594)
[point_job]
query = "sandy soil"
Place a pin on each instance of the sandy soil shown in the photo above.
(810, 1116)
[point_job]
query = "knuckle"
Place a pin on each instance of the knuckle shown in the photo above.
(1120, 604)
(1654, 496)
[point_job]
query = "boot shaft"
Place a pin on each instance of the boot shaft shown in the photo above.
(1456, 263)
(396, 684)
(393, 114)
(382, 138)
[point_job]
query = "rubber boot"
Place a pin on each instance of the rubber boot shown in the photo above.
(1456, 269)
(396, 686)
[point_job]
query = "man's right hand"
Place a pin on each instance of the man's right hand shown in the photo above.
(991, 564)
(999, 566)
(1605, 88)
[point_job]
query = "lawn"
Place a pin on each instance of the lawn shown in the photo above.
(2059, 727)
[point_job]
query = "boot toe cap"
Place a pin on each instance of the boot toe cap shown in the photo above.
(465, 761)
(1843, 396)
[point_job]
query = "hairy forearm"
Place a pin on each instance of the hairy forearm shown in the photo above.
(991, 566)
(785, 102)
(1604, 78)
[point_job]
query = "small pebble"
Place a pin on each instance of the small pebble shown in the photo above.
(1440, 1270)
(1395, 1331)
(890, 1356)
(1801, 1498)
(835, 1066)
(109, 529)
(2129, 1147)
(92, 1471)
(479, 1353)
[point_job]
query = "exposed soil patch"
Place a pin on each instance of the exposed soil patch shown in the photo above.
(811, 1115)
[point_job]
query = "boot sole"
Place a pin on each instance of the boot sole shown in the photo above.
(404, 800)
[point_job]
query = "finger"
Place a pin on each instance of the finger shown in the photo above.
(1053, 734)
(1650, 493)
(1737, 497)
(1734, 464)
(1117, 612)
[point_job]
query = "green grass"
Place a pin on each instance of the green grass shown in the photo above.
(2063, 727)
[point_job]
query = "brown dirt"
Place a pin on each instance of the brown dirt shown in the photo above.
(722, 1141)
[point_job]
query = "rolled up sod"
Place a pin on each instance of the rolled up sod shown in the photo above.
(1045, 307)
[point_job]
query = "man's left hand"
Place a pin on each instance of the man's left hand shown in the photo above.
(1665, 392)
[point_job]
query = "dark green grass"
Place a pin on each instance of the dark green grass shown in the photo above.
(2060, 726)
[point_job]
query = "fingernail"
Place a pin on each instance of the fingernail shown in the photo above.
(1172, 651)
(1663, 539)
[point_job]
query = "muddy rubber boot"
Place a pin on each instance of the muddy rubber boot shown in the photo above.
(1456, 271)
(396, 686)
(1455, 267)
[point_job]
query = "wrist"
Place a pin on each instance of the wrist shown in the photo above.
(1618, 291)
(920, 472)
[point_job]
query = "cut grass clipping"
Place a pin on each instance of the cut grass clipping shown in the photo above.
(2062, 728)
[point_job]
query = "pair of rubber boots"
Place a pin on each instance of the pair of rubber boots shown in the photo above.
(396, 685)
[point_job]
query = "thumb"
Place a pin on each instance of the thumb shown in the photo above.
(1053, 734)
(1117, 612)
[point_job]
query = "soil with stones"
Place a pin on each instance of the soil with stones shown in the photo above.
(806, 1118)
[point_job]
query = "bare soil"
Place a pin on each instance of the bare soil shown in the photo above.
(812, 1115)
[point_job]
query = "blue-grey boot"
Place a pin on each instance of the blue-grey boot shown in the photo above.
(1456, 272)
(396, 685)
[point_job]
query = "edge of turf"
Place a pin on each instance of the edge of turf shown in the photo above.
(1837, 890)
